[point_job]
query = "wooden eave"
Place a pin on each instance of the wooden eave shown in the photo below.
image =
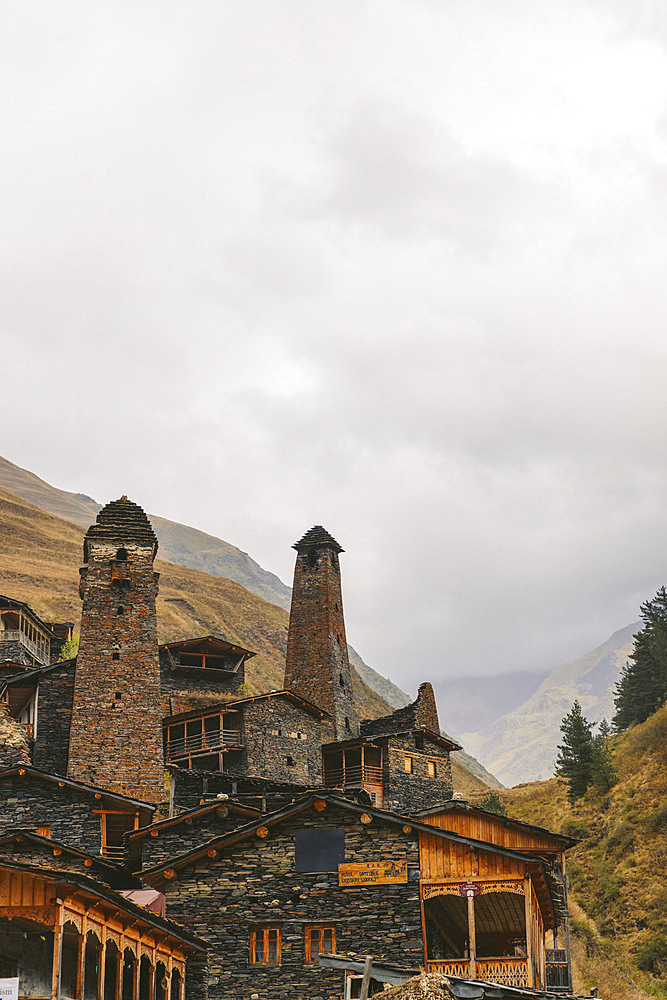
(226, 705)
(27, 770)
(455, 805)
(21, 835)
(210, 643)
(192, 815)
(272, 819)
(373, 738)
(104, 898)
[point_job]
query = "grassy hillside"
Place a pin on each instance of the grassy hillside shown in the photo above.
(617, 871)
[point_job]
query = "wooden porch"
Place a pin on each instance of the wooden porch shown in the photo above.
(65, 941)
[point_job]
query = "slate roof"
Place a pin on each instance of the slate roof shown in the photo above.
(123, 521)
(317, 537)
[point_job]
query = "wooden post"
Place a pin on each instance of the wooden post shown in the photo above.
(366, 981)
(80, 960)
(472, 941)
(57, 953)
(118, 992)
(135, 974)
(529, 930)
(101, 964)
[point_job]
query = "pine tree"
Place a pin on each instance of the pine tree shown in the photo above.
(493, 804)
(642, 686)
(575, 753)
(603, 775)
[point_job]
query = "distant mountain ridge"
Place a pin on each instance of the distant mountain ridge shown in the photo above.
(521, 745)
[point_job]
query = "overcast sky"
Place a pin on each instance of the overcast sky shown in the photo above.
(398, 268)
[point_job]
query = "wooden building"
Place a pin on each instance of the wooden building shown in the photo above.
(67, 935)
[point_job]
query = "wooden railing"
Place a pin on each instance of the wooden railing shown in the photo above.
(41, 652)
(506, 970)
(337, 777)
(113, 853)
(29, 730)
(558, 973)
(224, 739)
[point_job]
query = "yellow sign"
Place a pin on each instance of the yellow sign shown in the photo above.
(373, 873)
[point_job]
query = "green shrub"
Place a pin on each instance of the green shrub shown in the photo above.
(652, 954)
(574, 827)
(656, 820)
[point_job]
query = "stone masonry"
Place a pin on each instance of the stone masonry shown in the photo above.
(317, 665)
(116, 733)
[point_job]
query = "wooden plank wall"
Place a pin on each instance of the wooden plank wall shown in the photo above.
(492, 829)
(445, 859)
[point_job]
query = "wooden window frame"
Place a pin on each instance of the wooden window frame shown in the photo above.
(407, 764)
(431, 769)
(263, 930)
(321, 929)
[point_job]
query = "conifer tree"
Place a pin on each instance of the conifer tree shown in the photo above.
(603, 775)
(575, 753)
(491, 803)
(642, 687)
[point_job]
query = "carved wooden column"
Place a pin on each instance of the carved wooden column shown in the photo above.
(471, 934)
(529, 930)
(57, 953)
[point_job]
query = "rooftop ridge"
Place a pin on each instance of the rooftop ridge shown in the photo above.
(317, 537)
(123, 520)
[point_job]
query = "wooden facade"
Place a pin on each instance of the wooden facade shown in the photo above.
(485, 913)
(66, 938)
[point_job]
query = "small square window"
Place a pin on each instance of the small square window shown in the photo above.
(265, 945)
(289, 761)
(432, 770)
(407, 765)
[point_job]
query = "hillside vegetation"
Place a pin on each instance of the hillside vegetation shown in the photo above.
(40, 556)
(618, 891)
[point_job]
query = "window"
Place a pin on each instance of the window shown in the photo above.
(289, 761)
(318, 940)
(432, 771)
(43, 831)
(319, 850)
(407, 765)
(265, 945)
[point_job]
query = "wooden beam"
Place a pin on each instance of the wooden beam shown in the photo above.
(366, 981)
(57, 953)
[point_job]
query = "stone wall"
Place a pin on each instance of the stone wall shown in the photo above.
(192, 788)
(317, 665)
(254, 883)
(15, 652)
(282, 742)
(184, 690)
(54, 716)
(31, 802)
(408, 793)
(148, 850)
(419, 714)
(116, 732)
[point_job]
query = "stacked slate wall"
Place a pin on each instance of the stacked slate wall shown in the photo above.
(30, 802)
(276, 731)
(160, 844)
(54, 716)
(409, 793)
(185, 689)
(255, 883)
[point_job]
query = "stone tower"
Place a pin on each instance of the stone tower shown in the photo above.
(116, 729)
(317, 665)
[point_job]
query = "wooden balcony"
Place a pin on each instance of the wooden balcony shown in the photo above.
(339, 777)
(201, 743)
(39, 650)
(505, 970)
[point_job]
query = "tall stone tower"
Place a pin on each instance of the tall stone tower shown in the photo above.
(116, 729)
(317, 665)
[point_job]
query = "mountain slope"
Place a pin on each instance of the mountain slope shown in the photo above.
(520, 746)
(618, 895)
(40, 555)
(184, 546)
